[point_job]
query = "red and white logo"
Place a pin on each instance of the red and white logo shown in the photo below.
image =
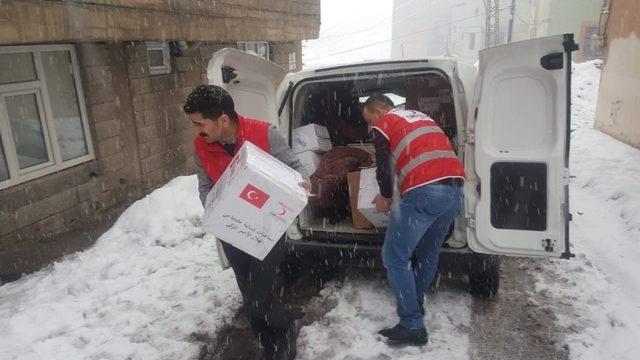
(254, 196)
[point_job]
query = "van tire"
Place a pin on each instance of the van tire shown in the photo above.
(484, 279)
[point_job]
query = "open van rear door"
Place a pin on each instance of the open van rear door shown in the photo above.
(518, 150)
(251, 81)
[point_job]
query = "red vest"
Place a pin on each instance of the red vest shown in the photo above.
(421, 152)
(215, 159)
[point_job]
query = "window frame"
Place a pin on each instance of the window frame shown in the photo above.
(166, 57)
(39, 87)
(242, 45)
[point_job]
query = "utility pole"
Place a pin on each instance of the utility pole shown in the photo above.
(511, 16)
(492, 23)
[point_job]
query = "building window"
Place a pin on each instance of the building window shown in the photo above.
(43, 121)
(256, 48)
(159, 58)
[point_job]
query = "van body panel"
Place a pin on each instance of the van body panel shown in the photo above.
(251, 81)
(515, 198)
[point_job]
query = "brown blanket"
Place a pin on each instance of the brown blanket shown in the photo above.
(329, 182)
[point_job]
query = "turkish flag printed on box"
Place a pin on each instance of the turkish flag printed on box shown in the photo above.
(254, 202)
(254, 196)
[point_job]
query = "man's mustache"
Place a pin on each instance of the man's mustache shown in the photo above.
(203, 134)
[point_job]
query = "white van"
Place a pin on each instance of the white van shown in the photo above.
(512, 135)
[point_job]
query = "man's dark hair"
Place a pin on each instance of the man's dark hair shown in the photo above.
(211, 101)
(378, 100)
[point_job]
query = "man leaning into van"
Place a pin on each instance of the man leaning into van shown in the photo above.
(411, 146)
(221, 131)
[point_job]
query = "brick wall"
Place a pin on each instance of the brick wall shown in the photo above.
(280, 54)
(141, 140)
(28, 22)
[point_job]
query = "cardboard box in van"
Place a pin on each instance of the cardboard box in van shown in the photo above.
(367, 192)
(311, 137)
(254, 202)
(309, 160)
(359, 221)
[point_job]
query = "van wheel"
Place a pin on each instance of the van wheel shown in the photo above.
(484, 279)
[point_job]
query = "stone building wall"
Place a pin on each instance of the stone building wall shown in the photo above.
(25, 22)
(141, 139)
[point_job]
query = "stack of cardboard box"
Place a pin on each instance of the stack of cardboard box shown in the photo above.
(309, 142)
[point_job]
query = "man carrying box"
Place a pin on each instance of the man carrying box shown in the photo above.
(430, 179)
(220, 134)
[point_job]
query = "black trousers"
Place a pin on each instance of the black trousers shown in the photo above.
(256, 280)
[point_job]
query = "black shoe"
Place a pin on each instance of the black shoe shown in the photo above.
(400, 335)
(286, 346)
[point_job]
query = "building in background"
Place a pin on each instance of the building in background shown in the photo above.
(458, 28)
(580, 17)
(619, 94)
(90, 105)
(452, 27)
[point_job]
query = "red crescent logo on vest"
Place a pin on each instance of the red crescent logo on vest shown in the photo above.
(254, 196)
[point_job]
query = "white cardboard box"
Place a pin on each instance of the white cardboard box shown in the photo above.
(310, 169)
(368, 190)
(309, 160)
(311, 137)
(254, 202)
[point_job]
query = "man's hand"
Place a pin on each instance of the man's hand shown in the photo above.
(306, 184)
(383, 204)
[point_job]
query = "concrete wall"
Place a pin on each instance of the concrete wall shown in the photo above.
(619, 96)
(25, 22)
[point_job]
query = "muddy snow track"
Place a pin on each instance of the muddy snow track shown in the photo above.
(300, 296)
(339, 319)
(516, 324)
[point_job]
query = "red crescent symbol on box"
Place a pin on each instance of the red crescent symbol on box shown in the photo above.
(283, 212)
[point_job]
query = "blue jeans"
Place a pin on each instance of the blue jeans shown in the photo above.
(418, 225)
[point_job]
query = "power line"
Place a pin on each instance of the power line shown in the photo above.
(401, 36)
(366, 29)
(392, 22)
(364, 21)
(318, 42)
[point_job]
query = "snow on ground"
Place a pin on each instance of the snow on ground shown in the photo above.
(602, 284)
(153, 279)
(149, 283)
(365, 305)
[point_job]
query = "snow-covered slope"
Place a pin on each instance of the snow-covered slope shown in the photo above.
(139, 293)
(602, 284)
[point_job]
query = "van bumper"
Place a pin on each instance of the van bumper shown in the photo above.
(452, 261)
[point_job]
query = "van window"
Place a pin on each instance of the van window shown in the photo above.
(519, 196)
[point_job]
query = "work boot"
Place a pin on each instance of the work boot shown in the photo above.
(286, 345)
(400, 335)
